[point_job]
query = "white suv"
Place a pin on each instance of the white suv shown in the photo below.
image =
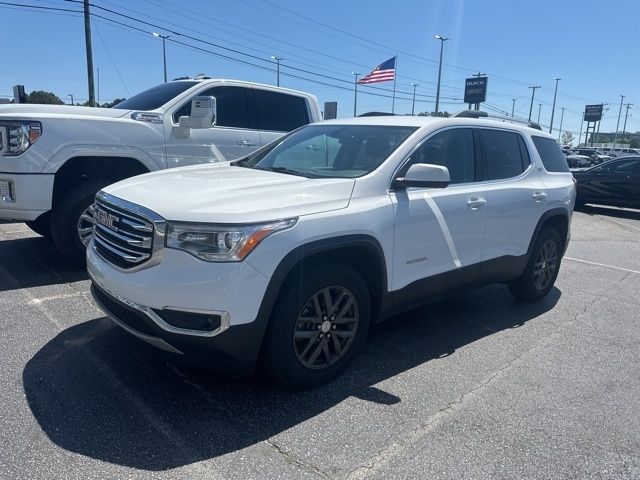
(285, 257)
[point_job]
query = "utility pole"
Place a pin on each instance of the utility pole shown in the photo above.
(581, 124)
(87, 41)
(98, 87)
(355, 91)
(71, 95)
(624, 129)
(615, 137)
(164, 53)
(413, 103)
(513, 106)
(533, 94)
(539, 109)
(553, 109)
(442, 40)
(561, 119)
(278, 60)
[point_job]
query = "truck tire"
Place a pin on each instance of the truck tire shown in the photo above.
(318, 326)
(71, 218)
(41, 225)
(542, 268)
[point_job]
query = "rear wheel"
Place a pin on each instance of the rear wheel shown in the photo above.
(72, 220)
(318, 326)
(542, 269)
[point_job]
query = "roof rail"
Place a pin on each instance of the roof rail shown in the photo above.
(376, 114)
(504, 118)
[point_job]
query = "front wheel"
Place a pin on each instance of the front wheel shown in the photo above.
(318, 326)
(542, 269)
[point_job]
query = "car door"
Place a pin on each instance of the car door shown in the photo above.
(440, 230)
(277, 113)
(230, 138)
(619, 182)
(515, 196)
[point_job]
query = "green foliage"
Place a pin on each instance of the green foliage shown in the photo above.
(567, 138)
(42, 97)
(111, 104)
(634, 143)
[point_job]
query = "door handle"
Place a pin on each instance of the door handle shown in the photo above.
(247, 143)
(475, 203)
(539, 196)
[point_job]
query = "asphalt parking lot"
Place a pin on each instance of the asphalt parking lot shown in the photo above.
(478, 386)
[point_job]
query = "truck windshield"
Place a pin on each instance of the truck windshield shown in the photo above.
(155, 97)
(342, 151)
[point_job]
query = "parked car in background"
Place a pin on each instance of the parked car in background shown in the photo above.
(594, 154)
(56, 157)
(616, 183)
(620, 152)
(576, 161)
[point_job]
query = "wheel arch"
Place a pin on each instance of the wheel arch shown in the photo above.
(557, 218)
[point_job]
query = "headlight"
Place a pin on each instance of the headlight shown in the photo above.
(221, 243)
(16, 136)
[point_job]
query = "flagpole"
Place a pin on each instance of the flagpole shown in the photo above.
(395, 76)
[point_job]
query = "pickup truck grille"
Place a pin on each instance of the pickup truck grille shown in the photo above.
(121, 237)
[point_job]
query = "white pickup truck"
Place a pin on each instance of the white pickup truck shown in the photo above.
(53, 159)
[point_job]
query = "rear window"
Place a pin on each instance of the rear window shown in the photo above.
(551, 155)
(504, 156)
(280, 112)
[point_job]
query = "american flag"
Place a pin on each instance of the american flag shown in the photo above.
(382, 73)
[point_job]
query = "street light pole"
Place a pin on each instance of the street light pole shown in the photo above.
(624, 129)
(539, 109)
(413, 103)
(355, 91)
(278, 60)
(164, 53)
(561, 119)
(442, 40)
(533, 94)
(513, 106)
(553, 109)
(615, 137)
(71, 95)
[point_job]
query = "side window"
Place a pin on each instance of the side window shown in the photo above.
(453, 149)
(280, 112)
(625, 167)
(231, 106)
(502, 156)
(550, 154)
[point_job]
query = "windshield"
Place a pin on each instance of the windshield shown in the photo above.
(155, 97)
(343, 151)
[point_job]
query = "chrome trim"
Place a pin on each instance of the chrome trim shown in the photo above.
(142, 242)
(128, 258)
(225, 317)
(128, 208)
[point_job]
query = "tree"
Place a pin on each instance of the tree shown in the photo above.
(567, 138)
(42, 97)
(634, 143)
(115, 102)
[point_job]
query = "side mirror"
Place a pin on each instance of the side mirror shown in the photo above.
(203, 115)
(424, 175)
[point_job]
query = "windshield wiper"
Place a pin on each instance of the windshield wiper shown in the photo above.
(287, 171)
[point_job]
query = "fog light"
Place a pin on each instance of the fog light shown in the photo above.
(7, 194)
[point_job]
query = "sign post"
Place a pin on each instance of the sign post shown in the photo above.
(592, 113)
(330, 110)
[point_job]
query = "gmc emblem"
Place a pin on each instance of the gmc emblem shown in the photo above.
(104, 218)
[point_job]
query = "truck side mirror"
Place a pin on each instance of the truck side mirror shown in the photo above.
(203, 115)
(424, 175)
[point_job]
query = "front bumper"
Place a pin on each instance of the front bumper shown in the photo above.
(180, 282)
(29, 195)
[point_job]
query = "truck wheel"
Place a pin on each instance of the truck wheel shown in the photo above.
(72, 220)
(41, 225)
(318, 326)
(542, 269)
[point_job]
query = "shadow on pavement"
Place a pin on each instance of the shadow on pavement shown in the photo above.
(35, 262)
(99, 392)
(630, 214)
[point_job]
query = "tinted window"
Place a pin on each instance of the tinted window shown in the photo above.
(452, 149)
(502, 155)
(625, 167)
(155, 97)
(231, 107)
(279, 112)
(345, 151)
(551, 155)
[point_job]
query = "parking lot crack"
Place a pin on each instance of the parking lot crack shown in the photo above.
(292, 459)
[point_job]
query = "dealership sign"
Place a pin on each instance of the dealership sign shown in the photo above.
(475, 89)
(593, 113)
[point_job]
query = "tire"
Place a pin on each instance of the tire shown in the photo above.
(41, 225)
(65, 219)
(542, 268)
(291, 344)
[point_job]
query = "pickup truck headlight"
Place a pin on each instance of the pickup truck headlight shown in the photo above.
(221, 243)
(17, 136)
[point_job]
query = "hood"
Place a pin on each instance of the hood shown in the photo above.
(222, 193)
(35, 110)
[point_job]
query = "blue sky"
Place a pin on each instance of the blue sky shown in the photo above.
(590, 45)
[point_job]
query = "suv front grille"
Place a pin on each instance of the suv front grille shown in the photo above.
(121, 237)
